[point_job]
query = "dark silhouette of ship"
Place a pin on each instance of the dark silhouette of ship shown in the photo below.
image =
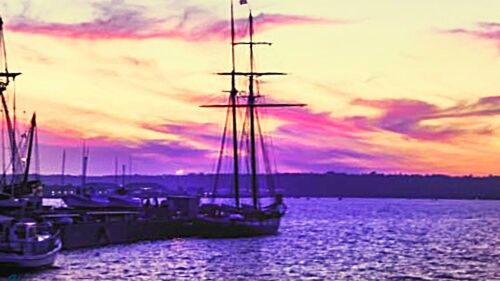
(24, 243)
(241, 220)
(15, 186)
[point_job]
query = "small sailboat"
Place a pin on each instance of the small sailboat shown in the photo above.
(86, 198)
(242, 220)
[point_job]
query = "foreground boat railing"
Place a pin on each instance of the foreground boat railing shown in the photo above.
(34, 247)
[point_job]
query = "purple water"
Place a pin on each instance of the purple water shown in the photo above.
(321, 239)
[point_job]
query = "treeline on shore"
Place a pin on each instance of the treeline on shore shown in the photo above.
(371, 185)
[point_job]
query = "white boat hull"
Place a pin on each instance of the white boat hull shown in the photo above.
(12, 260)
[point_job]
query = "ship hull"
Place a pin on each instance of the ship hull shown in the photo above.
(98, 234)
(208, 227)
(124, 202)
(81, 202)
(16, 261)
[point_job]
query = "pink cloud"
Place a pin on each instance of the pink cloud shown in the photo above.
(327, 142)
(205, 133)
(406, 117)
(130, 22)
(322, 123)
(302, 131)
(484, 31)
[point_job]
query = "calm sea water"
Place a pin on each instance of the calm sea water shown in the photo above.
(320, 239)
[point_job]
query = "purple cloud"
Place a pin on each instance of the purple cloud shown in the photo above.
(131, 22)
(205, 133)
(326, 142)
(484, 31)
(406, 117)
(149, 157)
(321, 124)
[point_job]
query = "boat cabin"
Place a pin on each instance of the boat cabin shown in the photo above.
(30, 237)
(168, 206)
(183, 206)
(23, 231)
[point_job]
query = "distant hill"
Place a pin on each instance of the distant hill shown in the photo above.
(326, 185)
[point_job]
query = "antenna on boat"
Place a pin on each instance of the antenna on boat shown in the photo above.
(116, 170)
(63, 167)
(130, 168)
(124, 169)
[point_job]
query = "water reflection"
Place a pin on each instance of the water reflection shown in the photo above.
(321, 239)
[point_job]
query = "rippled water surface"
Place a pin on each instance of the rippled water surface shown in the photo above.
(320, 239)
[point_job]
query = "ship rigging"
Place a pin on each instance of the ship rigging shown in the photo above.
(20, 145)
(241, 219)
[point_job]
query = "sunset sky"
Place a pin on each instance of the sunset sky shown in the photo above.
(391, 86)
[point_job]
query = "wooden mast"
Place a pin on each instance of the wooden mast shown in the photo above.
(251, 105)
(4, 167)
(124, 169)
(63, 167)
(116, 171)
(234, 93)
(20, 173)
(30, 150)
(251, 108)
(3, 87)
(85, 162)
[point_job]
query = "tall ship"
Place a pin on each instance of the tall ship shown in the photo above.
(24, 242)
(248, 145)
(18, 144)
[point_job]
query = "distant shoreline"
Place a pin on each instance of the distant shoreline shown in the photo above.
(333, 185)
(284, 173)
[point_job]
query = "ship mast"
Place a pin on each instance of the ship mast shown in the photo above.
(251, 108)
(85, 162)
(116, 171)
(32, 133)
(234, 93)
(10, 127)
(251, 105)
(4, 167)
(63, 167)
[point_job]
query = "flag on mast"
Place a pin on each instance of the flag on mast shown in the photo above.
(243, 2)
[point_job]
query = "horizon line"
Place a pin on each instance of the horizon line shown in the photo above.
(373, 173)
